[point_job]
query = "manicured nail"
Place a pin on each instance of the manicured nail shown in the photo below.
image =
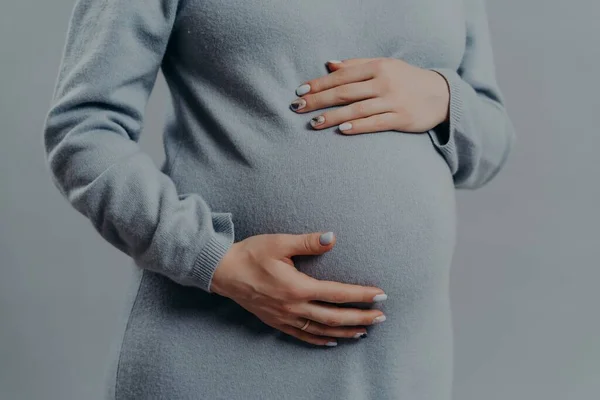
(379, 319)
(334, 62)
(345, 126)
(326, 238)
(331, 344)
(360, 335)
(318, 120)
(302, 89)
(380, 297)
(298, 104)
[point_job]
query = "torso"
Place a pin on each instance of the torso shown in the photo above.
(388, 196)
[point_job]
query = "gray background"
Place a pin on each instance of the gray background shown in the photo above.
(525, 275)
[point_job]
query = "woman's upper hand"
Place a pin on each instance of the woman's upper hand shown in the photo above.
(378, 94)
(258, 274)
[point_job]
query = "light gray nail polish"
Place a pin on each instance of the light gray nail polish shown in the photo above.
(379, 319)
(326, 238)
(380, 297)
(345, 126)
(302, 89)
(331, 344)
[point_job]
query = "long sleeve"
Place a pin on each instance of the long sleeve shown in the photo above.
(479, 135)
(112, 55)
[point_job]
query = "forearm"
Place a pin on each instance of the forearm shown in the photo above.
(111, 59)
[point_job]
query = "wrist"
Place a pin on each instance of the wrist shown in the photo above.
(220, 275)
(441, 93)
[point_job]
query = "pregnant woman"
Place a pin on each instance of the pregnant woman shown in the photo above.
(303, 204)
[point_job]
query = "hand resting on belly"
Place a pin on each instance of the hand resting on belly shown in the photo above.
(259, 274)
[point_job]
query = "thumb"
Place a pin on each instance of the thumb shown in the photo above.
(308, 243)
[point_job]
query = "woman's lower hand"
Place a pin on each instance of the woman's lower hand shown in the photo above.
(379, 94)
(258, 274)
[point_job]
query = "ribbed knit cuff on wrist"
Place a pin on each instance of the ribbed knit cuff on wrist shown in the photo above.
(211, 254)
(445, 141)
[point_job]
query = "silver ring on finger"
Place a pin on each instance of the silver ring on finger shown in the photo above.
(306, 325)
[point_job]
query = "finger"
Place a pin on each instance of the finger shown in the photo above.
(316, 328)
(313, 243)
(307, 336)
(337, 292)
(353, 73)
(332, 315)
(359, 109)
(374, 123)
(338, 95)
(333, 66)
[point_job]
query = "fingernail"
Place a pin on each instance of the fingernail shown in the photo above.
(360, 335)
(298, 104)
(379, 319)
(302, 89)
(345, 126)
(380, 297)
(318, 120)
(331, 344)
(334, 62)
(326, 238)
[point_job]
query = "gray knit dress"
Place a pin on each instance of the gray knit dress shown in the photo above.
(240, 162)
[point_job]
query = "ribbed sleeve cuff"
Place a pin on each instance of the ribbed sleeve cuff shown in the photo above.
(211, 254)
(443, 136)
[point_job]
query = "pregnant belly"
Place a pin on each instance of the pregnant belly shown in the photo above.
(388, 197)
